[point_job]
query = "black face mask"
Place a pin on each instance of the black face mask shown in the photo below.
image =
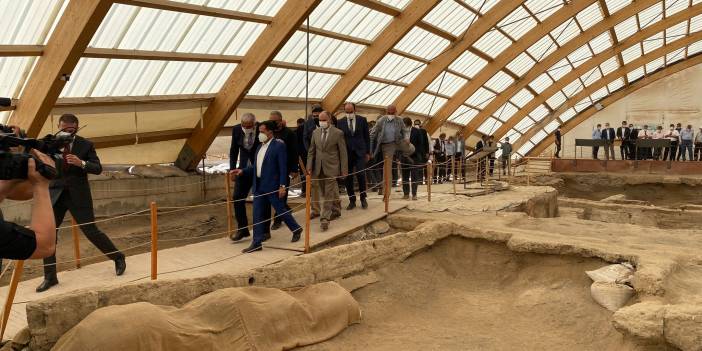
(316, 120)
(278, 125)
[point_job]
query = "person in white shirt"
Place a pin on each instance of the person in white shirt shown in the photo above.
(657, 135)
(450, 157)
(673, 135)
(698, 145)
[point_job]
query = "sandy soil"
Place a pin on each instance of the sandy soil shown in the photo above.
(474, 295)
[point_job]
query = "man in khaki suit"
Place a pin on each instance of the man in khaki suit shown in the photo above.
(326, 160)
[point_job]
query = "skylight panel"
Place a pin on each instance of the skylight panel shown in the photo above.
(480, 98)
(83, 76)
(522, 98)
(694, 48)
(589, 16)
(601, 43)
(398, 4)
(214, 80)
(541, 83)
(591, 76)
(525, 148)
(696, 24)
(616, 5)
(468, 64)
(674, 6)
(489, 126)
(375, 93)
(25, 21)
(334, 15)
(513, 136)
(266, 7)
(566, 31)
(566, 116)
(422, 43)
(626, 28)
(539, 113)
(580, 55)
(651, 15)
(463, 115)
(573, 88)
(552, 126)
(609, 66)
(655, 65)
(635, 74)
(11, 74)
(426, 104)
(396, 67)
(324, 51)
(517, 23)
(447, 83)
(599, 94)
(556, 100)
(540, 135)
(560, 69)
(676, 32)
(653, 42)
(542, 9)
(542, 48)
(615, 85)
(505, 111)
(499, 82)
(582, 104)
(521, 64)
(674, 56)
(482, 6)
(451, 17)
(492, 43)
(631, 53)
(524, 125)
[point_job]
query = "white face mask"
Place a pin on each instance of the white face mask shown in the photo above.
(248, 130)
(262, 137)
(391, 117)
(323, 124)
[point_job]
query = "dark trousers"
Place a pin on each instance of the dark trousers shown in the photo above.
(669, 153)
(686, 145)
(411, 174)
(558, 150)
(440, 175)
(278, 219)
(505, 163)
(242, 187)
(262, 214)
(624, 150)
(82, 213)
(356, 164)
(492, 166)
(595, 152)
(698, 151)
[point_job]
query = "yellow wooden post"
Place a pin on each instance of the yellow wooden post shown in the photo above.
(76, 242)
(154, 241)
(230, 219)
(308, 210)
(16, 276)
(386, 179)
(429, 179)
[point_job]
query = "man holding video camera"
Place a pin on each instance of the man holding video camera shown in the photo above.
(71, 192)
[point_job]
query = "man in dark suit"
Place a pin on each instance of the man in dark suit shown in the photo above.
(357, 137)
(71, 192)
(301, 149)
(623, 136)
(633, 135)
(427, 141)
(557, 136)
(244, 144)
(269, 176)
(608, 135)
(412, 164)
(440, 157)
(282, 132)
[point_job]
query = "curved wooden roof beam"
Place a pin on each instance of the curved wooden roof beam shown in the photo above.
(441, 62)
(261, 53)
(385, 41)
(619, 94)
(544, 65)
(593, 63)
(72, 35)
(611, 77)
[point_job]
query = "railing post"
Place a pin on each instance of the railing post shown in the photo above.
(16, 276)
(527, 170)
(76, 242)
(453, 173)
(154, 240)
(228, 189)
(430, 179)
(308, 210)
(387, 164)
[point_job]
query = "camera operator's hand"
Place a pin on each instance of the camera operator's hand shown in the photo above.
(33, 175)
(74, 160)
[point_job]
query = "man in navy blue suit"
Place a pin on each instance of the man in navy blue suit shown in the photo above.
(357, 137)
(269, 175)
(244, 145)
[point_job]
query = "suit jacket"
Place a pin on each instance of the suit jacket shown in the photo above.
(310, 126)
(421, 147)
(623, 133)
(290, 140)
(358, 142)
(75, 179)
(329, 156)
(437, 148)
(608, 134)
(274, 170)
(237, 148)
(376, 135)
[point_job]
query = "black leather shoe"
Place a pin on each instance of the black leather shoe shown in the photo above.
(276, 225)
(46, 284)
(266, 236)
(240, 234)
(252, 248)
(120, 266)
(364, 204)
(296, 235)
(351, 206)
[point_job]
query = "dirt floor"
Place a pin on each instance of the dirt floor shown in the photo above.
(474, 295)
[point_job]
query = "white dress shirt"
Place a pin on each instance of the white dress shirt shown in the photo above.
(260, 156)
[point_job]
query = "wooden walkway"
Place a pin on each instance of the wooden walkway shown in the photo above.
(196, 260)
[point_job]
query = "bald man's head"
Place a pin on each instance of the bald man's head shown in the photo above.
(391, 110)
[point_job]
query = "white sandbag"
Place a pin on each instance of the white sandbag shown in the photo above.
(614, 273)
(611, 296)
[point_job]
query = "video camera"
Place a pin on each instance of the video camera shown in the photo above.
(13, 165)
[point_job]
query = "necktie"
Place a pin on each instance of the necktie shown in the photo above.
(324, 137)
(351, 125)
(66, 152)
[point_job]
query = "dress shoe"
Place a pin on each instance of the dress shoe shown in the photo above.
(276, 225)
(325, 226)
(240, 234)
(46, 284)
(252, 248)
(334, 216)
(405, 197)
(266, 236)
(314, 215)
(296, 235)
(351, 206)
(414, 198)
(120, 266)
(364, 204)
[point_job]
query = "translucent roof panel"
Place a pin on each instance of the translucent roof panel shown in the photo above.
(580, 55)
(259, 7)
(463, 115)
(615, 85)
(12, 71)
(573, 88)
(399, 4)
(522, 98)
(480, 98)
(333, 15)
(543, 8)
(524, 124)
(616, 5)
(676, 32)
(451, 17)
(426, 104)
(652, 43)
(517, 23)
(549, 128)
(599, 94)
(481, 6)
(566, 116)
(601, 43)
(489, 126)
(28, 22)
(631, 53)
(591, 77)
(446, 83)
(422, 43)
(539, 113)
(286, 82)
(513, 135)
(505, 112)
(375, 93)
(694, 48)
(324, 51)
(651, 15)
(655, 65)
(626, 28)
(525, 148)
(582, 104)
(468, 64)
(674, 56)
(696, 24)
(521, 64)
(672, 7)
(492, 43)
(589, 16)
(542, 48)
(541, 83)
(609, 66)
(560, 69)
(566, 31)
(396, 67)
(556, 100)
(499, 82)
(635, 74)
(540, 135)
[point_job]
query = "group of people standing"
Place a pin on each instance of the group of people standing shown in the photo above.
(685, 144)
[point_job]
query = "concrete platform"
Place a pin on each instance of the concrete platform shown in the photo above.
(197, 260)
(626, 166)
